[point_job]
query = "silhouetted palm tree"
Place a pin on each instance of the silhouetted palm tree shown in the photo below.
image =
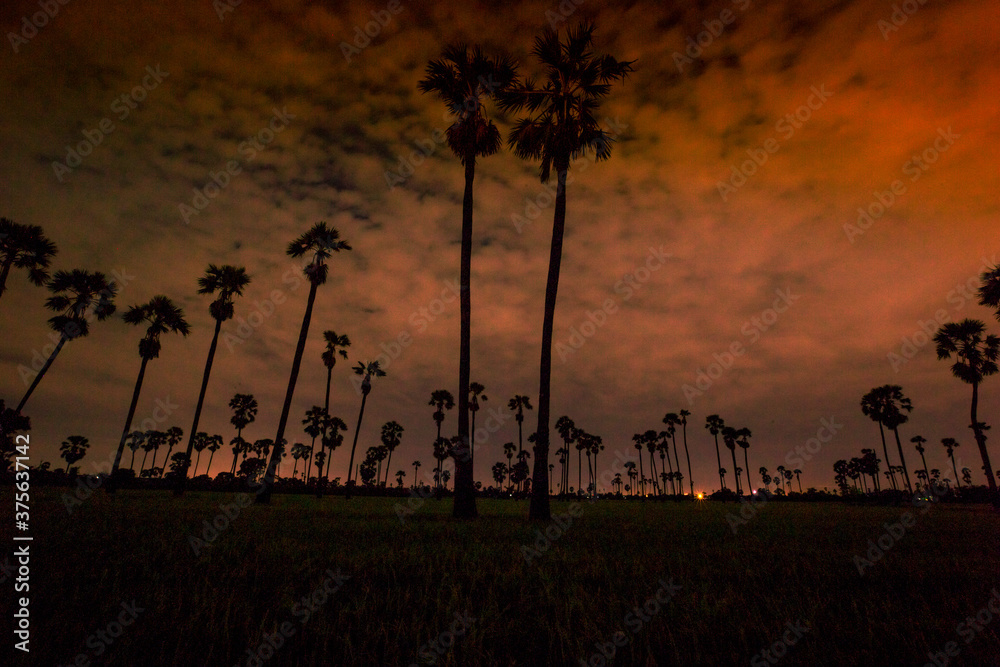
(873, 406)
(315, 420)
(560, 125)
(229, 281)
(392, 436)
(989, 290)
(335, 344)
(160, 316)
(975, 359)
(416, 467)
(475, 395)
(743, 436)
(174, 435)
(244, 407)
(684, 415)
(77, 296)
(729, 435)
(919, 441)
(441, 400)
(400, 474)
(715, 424)
(319, 244)
(518, 405)
(135, 440)
(508, 450)
(333, 429)
(637, 438)
(24, 247)
(368, 371)
(950, 444)
(566, 429)
(73, 449)
(464, 79)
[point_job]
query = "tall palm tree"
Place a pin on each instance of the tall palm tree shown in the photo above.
(665, 462)
(976, 356)
(475, 396)
(24, 247)
(508, 450)
(135, 440)
(368, 370)
(154, 440)
(416, 467)
(214, 444)
(650, 439)
(318, 243)
(392, 436)
(335, 344)
(729, 436)
(715, 424)
(174, 435)
(332, 439)
(315, 419)
(244, 407)
(73, 449)
(464, 79)
(566, 429)
(441, 400)
(743, 436)
(637, 439)
(200, 443)
(896, 405)
(229, 281)
(518, 405)
(919, 441)
(78, 297)
(160, 316)
(950, 444)
(684, 430)
(673, 421)
(560, 125)
(873, 405)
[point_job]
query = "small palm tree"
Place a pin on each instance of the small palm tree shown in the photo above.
(318, 244)
(24, 247)
(743, 436)
(560, 125)
(160, 316)
(229, 281)
(200, 443)
(400, 474)
(174, 435)
(392, 436)
(368, 370)
(335, 344)
(919, 441)
(313, 425)
(73, 449)
(78, 297)
(508, 450)
(214, 444)
(950, 444)
(567, 431)
(976, 356)
(135, 440)
(416, 467)
(715, 424)
(729, 437)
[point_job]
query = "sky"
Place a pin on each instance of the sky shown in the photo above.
(797, 192)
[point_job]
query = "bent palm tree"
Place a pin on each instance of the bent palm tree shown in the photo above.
(24, 247)
(78, 296)
(318, 243)
(464, 79)
(975, 359)
(560, 126)
(160, 316)
(369, 370)
(229, 281)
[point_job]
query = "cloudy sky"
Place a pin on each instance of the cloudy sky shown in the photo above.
(749, 136)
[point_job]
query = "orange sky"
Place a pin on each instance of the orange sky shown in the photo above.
(878, 98)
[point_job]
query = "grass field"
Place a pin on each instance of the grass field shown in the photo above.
(335, 582)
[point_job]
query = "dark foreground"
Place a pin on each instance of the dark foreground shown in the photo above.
(121, 581)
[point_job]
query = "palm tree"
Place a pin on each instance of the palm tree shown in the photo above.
(975, 359)
(889, 404)
(672, 421)
(78, 297)
(135, 440)
(873, 405)
(989, 290)
(766, 478)
(416, 466)
(665, 463)
(332, 439)
(298, 453)
(780, 477)
(200, 443)
(684, 423)
(950, 444)
(560, 126)
(519, 404)
(649, 438)
(715, 424)
(174, 435)
(743, 440)
(319, 243)
(499, 472)
(244, 407)
(729, 436)
(798, 479)
(160, 316)
(73, 449)
(368, 370)
(637, 439)
(441, 449)
(392, 436)
(400, 474)
(24, 247)
(229, 281)
(335, 344)
(313, 425)
(508, 450)
(464, 79)
(475, 395)
(214, 444)
(154, 440)
(919, 441)
(441, 400)
(567, 431)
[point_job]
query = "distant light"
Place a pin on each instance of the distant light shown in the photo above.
(701, 496)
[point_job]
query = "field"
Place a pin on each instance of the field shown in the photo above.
(335, 582)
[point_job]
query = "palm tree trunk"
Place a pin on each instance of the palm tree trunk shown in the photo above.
(38, 378)
(182, 478)
(131, 465)
(142, 466)
(110, 487)
(210, 457)
(736, 475)
(688, 455)
(388, 460)
(746, 462)
(652, 464)
(885, 450)
(642, 476)
(718, 457)
(464, 506)
(539, 508)
(264, 496)
(680, 484)
(981, 442)
(4, 272)
(670, 466)
(350, 465)
(197, 462)
(954, 467)
(906, 473)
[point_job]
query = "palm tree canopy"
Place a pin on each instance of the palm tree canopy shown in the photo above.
(561, 123)
(228, 281)
(464, 79)
(989, 291)
(333, 342)
(320, 242)
(244, 408)
(76, 295)
(162, 317)
(391, 434)
(26, 247)
(975, 351)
